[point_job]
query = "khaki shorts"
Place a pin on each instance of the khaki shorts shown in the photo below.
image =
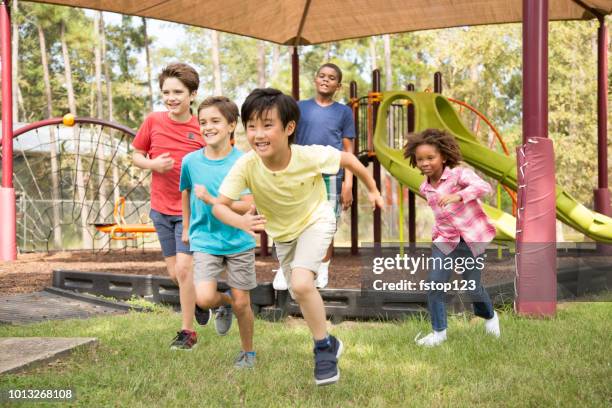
(308, 249)
(240, 269)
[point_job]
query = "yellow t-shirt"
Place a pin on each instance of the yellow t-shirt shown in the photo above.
(291, 199)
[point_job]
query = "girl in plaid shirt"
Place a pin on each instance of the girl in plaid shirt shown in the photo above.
(461, 231)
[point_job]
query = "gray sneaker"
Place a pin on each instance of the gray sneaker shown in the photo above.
(223, 318)
(245, 360)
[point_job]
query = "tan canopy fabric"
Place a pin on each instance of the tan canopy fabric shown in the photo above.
(301, 22)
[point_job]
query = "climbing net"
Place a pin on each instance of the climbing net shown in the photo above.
(68, 178)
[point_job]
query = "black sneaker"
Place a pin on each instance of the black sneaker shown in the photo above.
(326, 362)
(202, 316)
(223, 318)
(184, 340)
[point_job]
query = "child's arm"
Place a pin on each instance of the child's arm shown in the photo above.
(186, 215)
(350, 162)
(473, 187)
(241, 206)
(161, 164)
(347, 185)
(249, 222)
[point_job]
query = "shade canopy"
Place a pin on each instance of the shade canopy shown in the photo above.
(303, 22)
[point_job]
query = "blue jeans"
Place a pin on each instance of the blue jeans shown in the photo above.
(436, 299)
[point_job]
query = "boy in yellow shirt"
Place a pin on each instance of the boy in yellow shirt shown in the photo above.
(291, 199)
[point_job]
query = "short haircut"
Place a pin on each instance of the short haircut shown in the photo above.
(334, 67)
(262, 100)
(225, 105)
(184, 73)
(440, 139)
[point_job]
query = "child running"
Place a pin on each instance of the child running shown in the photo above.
(326, 122)
(160, 145)
(290, 196)
(461, 228)
(217, 246)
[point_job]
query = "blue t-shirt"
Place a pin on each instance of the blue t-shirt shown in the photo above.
(206, 233)
(324, 125)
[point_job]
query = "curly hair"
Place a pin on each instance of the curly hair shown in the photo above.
(441, 139)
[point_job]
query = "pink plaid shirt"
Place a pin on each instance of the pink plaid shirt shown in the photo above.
(465, 219)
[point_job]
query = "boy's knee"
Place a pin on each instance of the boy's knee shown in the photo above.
(205, 300)
(302, 288)
(183, 273)
(241, 304)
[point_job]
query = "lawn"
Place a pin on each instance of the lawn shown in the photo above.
(563, 361)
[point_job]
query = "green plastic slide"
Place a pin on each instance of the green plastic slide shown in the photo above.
(435, 111)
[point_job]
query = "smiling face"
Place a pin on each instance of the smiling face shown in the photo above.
(327, 82)
(267, 136)
(430, 161)
(215, 128)
(177, 98)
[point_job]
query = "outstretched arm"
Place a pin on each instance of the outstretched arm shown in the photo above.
(350, 162)
(240, 206)
(249, 222)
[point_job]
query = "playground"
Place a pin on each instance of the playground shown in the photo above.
(77, 233)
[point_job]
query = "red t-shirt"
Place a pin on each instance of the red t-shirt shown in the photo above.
(160, 134)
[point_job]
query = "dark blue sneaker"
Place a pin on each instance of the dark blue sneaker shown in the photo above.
(223, 318)
(202, 316)
(326, 362)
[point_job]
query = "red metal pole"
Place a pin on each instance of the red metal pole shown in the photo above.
(377, 173)
(8, 238)
(295, 74)
(602, 194)
(354, 205)
(536, 281)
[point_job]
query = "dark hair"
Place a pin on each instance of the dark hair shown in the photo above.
(184, 73)
(262, 100)
(441, 139)
(334, 67)
(228, 109)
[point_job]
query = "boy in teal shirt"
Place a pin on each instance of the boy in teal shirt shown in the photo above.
(217, 246)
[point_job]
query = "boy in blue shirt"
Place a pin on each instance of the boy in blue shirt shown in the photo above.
(328, 123)
(217, 246)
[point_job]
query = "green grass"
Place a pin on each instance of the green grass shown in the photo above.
(563, 361)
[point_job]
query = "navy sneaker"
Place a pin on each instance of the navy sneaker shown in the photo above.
(326, 362)
(202, 316)
(223, 318)
(184, 340)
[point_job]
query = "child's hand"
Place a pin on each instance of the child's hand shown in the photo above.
(252, 222)
(162, 163)
(185, 236)
(202, 193)
(375, 199)
(346, 197)
(449, 199)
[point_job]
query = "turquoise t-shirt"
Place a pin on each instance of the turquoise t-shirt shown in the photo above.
(206, 233)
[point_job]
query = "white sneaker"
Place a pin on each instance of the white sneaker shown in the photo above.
(433, 339)
(322, 275)
(492, 326)
(279, 283)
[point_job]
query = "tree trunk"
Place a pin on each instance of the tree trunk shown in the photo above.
(373, 56)
(15, 60)
(55, 185)
(214, 47)
(80, 185)
(275, 61)
(261, 64)
(100, 149)
(148, 60)
(109, 97)
(388, 68)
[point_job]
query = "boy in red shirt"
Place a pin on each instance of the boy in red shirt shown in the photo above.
(160, 145)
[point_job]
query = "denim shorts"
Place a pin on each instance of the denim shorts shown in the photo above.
(169, 231)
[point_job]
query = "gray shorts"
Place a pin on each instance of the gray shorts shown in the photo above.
(307, 250)
(240, 268)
